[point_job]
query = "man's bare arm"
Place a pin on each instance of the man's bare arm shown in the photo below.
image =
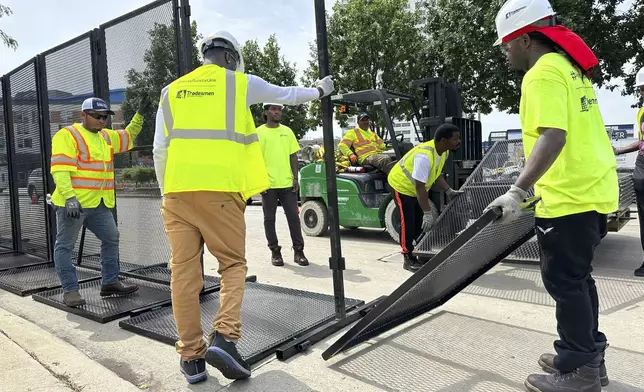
(442, 183)
(630, 148)
(545, 152)
(422, 196)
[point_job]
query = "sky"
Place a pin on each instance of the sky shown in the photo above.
(39, 25)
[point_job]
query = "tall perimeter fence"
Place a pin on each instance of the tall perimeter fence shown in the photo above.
(135, 54)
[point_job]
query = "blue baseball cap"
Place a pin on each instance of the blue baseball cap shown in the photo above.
(96, 105)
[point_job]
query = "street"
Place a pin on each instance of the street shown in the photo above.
(488, 338)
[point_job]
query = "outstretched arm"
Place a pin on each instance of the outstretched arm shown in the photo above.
(260, 91)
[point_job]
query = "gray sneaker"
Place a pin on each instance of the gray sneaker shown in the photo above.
(584, 379)
(547, 363)
(73, 299)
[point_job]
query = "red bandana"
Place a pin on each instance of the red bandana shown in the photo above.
(570, 42)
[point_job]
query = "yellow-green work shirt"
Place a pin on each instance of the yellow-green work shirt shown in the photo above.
(277, 146)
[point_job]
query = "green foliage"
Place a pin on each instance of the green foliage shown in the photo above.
(270, 65)
(160, 70)
(8, 41)
(374, 44)
(138, 174)
(460, 35)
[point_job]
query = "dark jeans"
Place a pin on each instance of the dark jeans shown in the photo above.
(567, 248)
(411, 220)
(288, 198)
(638, 183)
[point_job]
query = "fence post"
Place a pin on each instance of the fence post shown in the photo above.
(14, 201)
(187, 36)
(45, 147)
(176, 16)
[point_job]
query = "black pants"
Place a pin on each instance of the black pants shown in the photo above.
(411, 220)
(567, 248)
(288, 198)
(638, 183)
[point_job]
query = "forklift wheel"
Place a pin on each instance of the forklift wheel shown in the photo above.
(392, 221)
(314, 218)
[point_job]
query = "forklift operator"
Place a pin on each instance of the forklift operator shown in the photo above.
(368, 146)
(411, 180)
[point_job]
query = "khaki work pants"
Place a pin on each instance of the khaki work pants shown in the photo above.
(218, 219)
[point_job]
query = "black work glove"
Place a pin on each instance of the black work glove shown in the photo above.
(73, 208)
(144, 104)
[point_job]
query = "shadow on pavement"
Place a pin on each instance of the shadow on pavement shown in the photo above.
(451, 352)
(323, 272)
(274, 380)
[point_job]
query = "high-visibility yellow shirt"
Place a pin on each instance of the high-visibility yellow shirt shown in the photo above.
(89, 159)
(584, 176)
(364, 142)
(213, 143)
(278, 144)
(400, 177)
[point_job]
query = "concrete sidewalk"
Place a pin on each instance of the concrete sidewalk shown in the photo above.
(33, 359)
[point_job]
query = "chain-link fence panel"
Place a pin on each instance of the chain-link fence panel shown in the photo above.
(28, 160)
(69, 83)
(6, 234)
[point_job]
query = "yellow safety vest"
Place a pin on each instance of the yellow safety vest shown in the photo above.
(640, 114)
(400, 177)
(213, 143)
(364, 142)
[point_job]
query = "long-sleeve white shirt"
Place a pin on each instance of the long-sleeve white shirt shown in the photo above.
(259, 91)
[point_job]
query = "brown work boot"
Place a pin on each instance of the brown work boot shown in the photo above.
(584, 379)
(73, 299)
(118, 288)
(299, 257)
(547, 363)
(276, 257)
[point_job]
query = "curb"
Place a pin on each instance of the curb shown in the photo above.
(61, 358)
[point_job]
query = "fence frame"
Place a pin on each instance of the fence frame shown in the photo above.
(16, 231)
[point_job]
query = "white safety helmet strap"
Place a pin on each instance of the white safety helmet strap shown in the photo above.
(515, 15)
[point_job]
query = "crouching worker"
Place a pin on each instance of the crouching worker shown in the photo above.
(82, 165)
(411, 180)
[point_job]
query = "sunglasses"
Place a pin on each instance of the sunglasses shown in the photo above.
(98, 116)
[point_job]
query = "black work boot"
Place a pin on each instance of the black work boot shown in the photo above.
(411, 262)
(584, 379)
(640, 271)
(299, 257)
(223, 355)
(73, 299)
(194, 371)
(547, 363)
(276, 258)
(118, 288)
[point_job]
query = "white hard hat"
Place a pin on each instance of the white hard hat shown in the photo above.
(267, 104)
(214, 40)
(517, 14)
(639, 79)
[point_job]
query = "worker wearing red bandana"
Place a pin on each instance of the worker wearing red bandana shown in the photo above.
(571, 164)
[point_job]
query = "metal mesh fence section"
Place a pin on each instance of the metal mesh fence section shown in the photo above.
(28, 160)
(69, 83)
(626, 190)
(143, 240)
(6, 236)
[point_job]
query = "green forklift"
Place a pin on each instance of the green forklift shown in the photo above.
(365, 199)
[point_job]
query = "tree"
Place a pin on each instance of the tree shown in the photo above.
(460, 35)
(372, 44)
(268, 64)
(160, 70)
(7, 39)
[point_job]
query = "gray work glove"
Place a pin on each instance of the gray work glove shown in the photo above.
(73, 208)
(325, 85)
(510, 204)
(452, 194)
(428, 221)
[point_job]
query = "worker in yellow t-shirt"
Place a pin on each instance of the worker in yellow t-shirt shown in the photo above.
(280, 147)
(570, 163)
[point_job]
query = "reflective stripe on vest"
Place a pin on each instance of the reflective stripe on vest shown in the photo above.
(92, 183)
(83, 162)
(124, 139)
(404, 169)
(62, 159)
(209, 134)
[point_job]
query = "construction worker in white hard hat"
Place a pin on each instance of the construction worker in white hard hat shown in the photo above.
(279, 148)
(208, 162)
(638, 173)
(570, 163)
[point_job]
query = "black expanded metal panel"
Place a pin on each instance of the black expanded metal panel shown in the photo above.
(106, 309)
(626, 190)
(28, 160)
(162, 275)
(14, 259)
(478, 248)
(271, 316)
(6, 235)
(29, 280)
